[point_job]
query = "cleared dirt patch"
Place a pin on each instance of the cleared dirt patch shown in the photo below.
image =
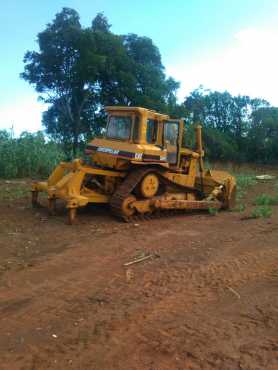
(207, 299)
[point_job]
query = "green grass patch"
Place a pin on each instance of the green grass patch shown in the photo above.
(263, 211)
(245, 181)
(240, 208)
(213, 211)
(266, 200)
(240, 194)
(10, 191)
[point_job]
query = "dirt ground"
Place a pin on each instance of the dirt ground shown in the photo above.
(207, 299)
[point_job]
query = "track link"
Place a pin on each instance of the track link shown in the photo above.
(128, 185)
(124, 190)
(156, 214)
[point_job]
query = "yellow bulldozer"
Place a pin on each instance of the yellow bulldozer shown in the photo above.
(140, 167)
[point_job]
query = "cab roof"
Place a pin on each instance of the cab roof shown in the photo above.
(140, 110)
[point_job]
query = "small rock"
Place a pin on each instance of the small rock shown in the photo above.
(129, 275)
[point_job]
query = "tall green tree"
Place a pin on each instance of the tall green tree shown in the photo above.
(227, 120)
(64, 71)
(78, 71)
(100, 23)
(133, 73)
(263, 136)
(195, 106)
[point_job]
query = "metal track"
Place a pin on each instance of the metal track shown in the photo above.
(129, 184)
(125, 188)
(156, 214)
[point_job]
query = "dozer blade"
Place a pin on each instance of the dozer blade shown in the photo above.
(218, 185)
(67, 183)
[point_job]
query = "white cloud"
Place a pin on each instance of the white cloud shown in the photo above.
(248, 66)
(23, 114)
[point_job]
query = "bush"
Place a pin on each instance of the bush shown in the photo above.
(240, 208)
(266, 200)
(262, 211)
(219, 146)
(245, 181)
(213, 211)
(30, 155)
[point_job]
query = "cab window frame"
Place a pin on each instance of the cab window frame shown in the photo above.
(135, 135)
(154, 131)
(167, 123)
(130, 127)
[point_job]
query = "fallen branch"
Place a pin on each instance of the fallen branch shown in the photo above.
(234, 292)
(137, 260)
(265, 177)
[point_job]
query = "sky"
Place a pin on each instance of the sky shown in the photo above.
(221, 44)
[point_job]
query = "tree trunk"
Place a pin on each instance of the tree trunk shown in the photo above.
(76, 130)
(74, 146)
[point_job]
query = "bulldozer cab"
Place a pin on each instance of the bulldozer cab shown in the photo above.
(135, 135)
(134, 124)
(149, 129)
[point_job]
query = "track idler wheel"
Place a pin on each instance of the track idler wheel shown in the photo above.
(149, 186)
(127, 210)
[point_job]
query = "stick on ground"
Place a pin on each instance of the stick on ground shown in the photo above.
(138, 260)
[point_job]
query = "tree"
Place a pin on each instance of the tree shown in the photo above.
(227, 120)
(263, 136)
(100, 23)
(195, 106)
(78, 71)
(64, 72)
(133, 73)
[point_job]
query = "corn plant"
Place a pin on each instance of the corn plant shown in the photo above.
(30, 155)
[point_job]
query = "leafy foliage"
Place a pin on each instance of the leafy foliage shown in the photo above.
(78, 71)
(245, 181)
(213, 211)
(266, 200)
(227, 120)
(264, 211)
(263, 136)
(30, 155)
(241, 207)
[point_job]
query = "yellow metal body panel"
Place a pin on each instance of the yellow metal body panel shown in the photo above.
(68, 186)
(180, 179)
(118, 154)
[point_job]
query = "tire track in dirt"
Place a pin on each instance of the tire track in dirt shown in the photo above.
(160, 289)
(203, 289)
(214, 275)
(120, 315)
